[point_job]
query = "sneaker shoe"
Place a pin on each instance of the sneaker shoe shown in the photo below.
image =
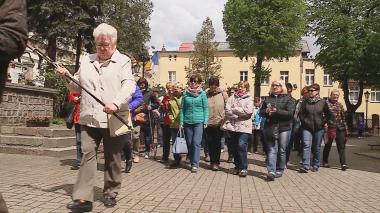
(249, 153)
(75, 167)
(207, 159)
(315, 169)
(243, 173)
(109, 202)
(146, 156)
(270, 176)
(194, 169)
(136, 159)
(278, 174)
(344, 167)
(222, 150)
(303, 170)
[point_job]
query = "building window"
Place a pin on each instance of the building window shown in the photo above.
(172, 76)
(353, 94)
(264, 80)
(243, 75)
(284, 75)
(309, 76)
(327, 79)
(375, 95)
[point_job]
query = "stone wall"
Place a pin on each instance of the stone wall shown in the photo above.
(21, 102)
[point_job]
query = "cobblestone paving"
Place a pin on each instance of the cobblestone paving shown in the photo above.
(44, 184)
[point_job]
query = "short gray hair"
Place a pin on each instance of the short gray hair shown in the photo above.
(105, 29)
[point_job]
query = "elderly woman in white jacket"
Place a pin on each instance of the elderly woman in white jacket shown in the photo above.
(239, 110)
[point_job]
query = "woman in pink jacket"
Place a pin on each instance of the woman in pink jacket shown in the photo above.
(239, 109)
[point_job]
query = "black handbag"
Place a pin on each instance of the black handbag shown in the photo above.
(70, 118)
(271, 131)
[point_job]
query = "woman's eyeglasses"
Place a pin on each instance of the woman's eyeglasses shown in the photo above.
(312, 90)
(276, 85)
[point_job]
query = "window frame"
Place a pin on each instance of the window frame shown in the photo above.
(243, 74)
(284, 77)
(309, 76)
(171, 76)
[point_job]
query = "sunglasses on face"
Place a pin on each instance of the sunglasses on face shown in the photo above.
(312, 90)
(276, 85)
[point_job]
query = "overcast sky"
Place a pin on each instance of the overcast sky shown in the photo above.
(176, 21)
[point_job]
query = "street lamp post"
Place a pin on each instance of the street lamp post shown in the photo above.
(366, 95)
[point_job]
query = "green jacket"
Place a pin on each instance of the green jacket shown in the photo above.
(174, 105)
(194, 109)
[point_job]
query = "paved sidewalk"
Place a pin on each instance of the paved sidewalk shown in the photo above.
(44, 184)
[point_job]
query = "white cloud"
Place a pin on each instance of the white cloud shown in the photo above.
(176, 21)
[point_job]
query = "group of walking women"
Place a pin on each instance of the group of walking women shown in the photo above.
(279, 122)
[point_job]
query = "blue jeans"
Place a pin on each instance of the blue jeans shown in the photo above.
(78, 143)
(193, 135)
(311, 144)
(276, 159)
(239, 142)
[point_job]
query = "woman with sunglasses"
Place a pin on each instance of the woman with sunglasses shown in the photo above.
(278, 110)
(313, 115)
(194, 118)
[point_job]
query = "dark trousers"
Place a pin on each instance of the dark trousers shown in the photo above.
(230, 147)
(340, 145)
(166, 135)
(213, 136)
(127, 146)
(254, 141)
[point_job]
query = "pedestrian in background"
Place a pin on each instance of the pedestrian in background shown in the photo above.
(278, 109)
(360, 126)
(194, 118)
(337, 130)
(174, 110)
(313, 116)
(216, 104)
(256, 127)
(150, 102)
(239, 110)
(166, 135)
(74, 98)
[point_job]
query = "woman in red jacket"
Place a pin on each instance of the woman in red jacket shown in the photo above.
(74, 98)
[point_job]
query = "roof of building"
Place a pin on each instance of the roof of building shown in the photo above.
(225, 46)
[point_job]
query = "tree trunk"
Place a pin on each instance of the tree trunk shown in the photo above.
(79, 42)
(351, 108)
(52, 48)
(258, 75)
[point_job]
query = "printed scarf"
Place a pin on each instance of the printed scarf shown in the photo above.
(194, 92)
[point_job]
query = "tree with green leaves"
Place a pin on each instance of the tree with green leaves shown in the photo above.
(131, 19)
(265, 29)
(204, 61)
(348, 33)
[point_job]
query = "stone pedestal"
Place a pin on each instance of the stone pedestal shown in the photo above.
(21, 101)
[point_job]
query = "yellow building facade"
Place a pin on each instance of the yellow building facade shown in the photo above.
(299, 70)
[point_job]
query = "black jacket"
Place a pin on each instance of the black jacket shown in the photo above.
(313, 116)
(285, 106)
